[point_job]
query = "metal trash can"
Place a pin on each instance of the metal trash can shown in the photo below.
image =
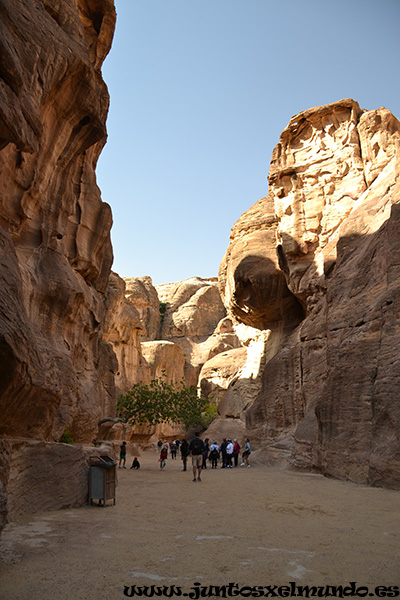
(102, 479)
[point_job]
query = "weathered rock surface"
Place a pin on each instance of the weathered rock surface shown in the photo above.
(164, 357)
(193, 309)
(56, 372)
(177, 340)
(330, 383)
(143, 295)
(122, 330)
(48, 476)
(252, 285)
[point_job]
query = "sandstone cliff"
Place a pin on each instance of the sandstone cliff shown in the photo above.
(183, 325)
(315, 263)
(57, 369)
(56, 372)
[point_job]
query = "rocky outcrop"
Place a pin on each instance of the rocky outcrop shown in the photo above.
(252, 285)
(47, 476)
(141, 293)
(56, 371)
(329, 394)
(122, 330)
(185, 319)
(193, 309)
(164, 359)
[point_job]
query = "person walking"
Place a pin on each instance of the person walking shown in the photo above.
(172, 449)
(246, 454)
(197, 448)
(236, 451)
(163, 458)
(184, 453)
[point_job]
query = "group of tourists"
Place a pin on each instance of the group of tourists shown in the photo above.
(226, 455)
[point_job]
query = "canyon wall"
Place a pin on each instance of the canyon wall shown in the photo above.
(69, 341)
(56, 370)
(316, 264)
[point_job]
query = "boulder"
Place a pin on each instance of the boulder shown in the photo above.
(47, 476)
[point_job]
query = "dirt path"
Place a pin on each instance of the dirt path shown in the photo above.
(254, 527)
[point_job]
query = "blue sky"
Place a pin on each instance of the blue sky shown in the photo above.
(200, 92)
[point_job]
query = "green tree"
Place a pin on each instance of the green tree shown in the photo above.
(160, 402)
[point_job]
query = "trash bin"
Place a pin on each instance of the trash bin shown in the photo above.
(102, 479)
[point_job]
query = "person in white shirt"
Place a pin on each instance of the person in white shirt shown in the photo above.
(229, 454)
(214, 454)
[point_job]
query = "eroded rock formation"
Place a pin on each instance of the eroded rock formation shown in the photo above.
(141, 293)
(57, 369)
(193, 311)
(56, 372)
(329, 226)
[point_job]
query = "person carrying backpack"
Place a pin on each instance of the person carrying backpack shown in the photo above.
(196, 448)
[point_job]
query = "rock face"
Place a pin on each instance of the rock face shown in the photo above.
(141, 293)
(183, 325)
(188, 315)
(48, 476)
(123, 330)
(56, 371)
(330, 226)
(193, 309)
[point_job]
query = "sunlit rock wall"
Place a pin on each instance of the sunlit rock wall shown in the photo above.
(56, 371)
(330, 383)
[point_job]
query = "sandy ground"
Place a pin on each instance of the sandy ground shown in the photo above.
(252, 527)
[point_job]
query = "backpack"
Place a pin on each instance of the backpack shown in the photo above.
(196, 446)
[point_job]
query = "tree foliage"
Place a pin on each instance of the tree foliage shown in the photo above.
(163, 402)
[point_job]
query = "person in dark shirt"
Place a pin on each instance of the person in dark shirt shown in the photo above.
(122, 456)
(135, 464)
(184, 453)
(223, 452)
(197, 448)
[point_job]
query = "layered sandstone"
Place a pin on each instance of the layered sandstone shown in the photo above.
(57, 369)
(141, 293)
(56, 372)
(329, 392)
(193, 309)
(123, 329)
(48, 476)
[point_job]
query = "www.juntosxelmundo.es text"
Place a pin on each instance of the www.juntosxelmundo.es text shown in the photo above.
(291, 590)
